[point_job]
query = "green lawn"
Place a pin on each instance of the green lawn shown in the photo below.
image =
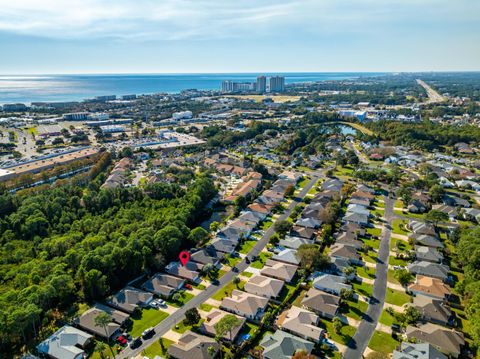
(233, 261)
(356, 309)
(227, 291)
(286, 291)
(247, 246)
(398, 203)
(404, 246)
(303, 182)
(206, 307)
(391, 277)
(374, 243)
(398, 226)
(104, 353)
(156, 348)
(182, 327)
(184, 298)
(382, 342)
(387, 319)
(370, 257)
(378, 212)
(247, 274)
(379, 204)
(147, 318)
(366, 272)
(397, 261)
(345, 335)
(374, 231)
(260, 261)
(396, 297)
(199, 286)
(266, 225)
(363, 288)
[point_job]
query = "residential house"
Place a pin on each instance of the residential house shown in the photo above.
(207, 255)
(324, 304)
(302, 323)
(264, 286)
(288, 256)
(213, 317)
(294, 242)
(279, 270)
(426, 240)
(87, 321)
(430, 287)
(433, 310)
(417, 351)
(130, 299)
(346, 252)
(193, 346)
(349, 239)
(190, 271)
(446, 340)
(163, 284)
(245, 304)
(429, 269)
(360, 219)
(308, 222)
(455, 201)
(222, 245)
(283, 345)
(332, 284)
(422, 228)
(428, 254)
(66, 343)
(303, 232)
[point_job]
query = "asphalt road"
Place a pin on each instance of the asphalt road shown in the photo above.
(367, 326)
(177, 316)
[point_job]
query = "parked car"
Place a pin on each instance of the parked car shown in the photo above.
(235, 269)
(188, 286)
(121, 340)
(247, 260)
(136, 343)
(148, 333)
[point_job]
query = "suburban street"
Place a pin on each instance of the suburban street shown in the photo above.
(369, 322)
(178, 315)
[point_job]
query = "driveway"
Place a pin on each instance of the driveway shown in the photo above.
(365, 330)
(164, 326)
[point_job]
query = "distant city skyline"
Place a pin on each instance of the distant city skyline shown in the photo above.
(251, 36)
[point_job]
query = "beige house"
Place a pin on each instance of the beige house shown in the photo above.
(264, 286)
(213, 317)
(245, 304)
(302, 323)
(279, 270)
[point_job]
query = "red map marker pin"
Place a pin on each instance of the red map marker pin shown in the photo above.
(184, 257)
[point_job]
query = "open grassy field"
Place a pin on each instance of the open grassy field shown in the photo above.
(148, 318)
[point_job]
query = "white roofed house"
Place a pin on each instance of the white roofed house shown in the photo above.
(66, 343)
(264, 286)
(302, 323)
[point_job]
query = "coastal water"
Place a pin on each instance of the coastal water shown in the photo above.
(50, 88)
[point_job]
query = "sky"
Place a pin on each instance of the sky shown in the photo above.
(199, 36)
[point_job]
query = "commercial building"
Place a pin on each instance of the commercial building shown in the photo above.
(182, 115)
(277, 84)
(261, 84)
(75, 116)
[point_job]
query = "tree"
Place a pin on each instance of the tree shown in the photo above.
(346, 294)
(103, 320)
(290, 190)
(436, 193)
(411, 315)
(337, 324)
(310, 257)
(282, 227)
(226, 325)
(403, 276)
(212, 351)
(236, 281)
(192, 316)
(198, 235)
(405, 192)
(214, 226)
(434, 216)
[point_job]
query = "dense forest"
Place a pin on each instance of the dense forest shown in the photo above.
(468, 249)
(72, 243)
(425, 135)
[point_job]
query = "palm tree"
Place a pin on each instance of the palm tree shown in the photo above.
(103, 320)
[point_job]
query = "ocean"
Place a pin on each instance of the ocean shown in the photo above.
(55, 88)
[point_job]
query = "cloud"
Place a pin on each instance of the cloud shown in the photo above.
(198, 19)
